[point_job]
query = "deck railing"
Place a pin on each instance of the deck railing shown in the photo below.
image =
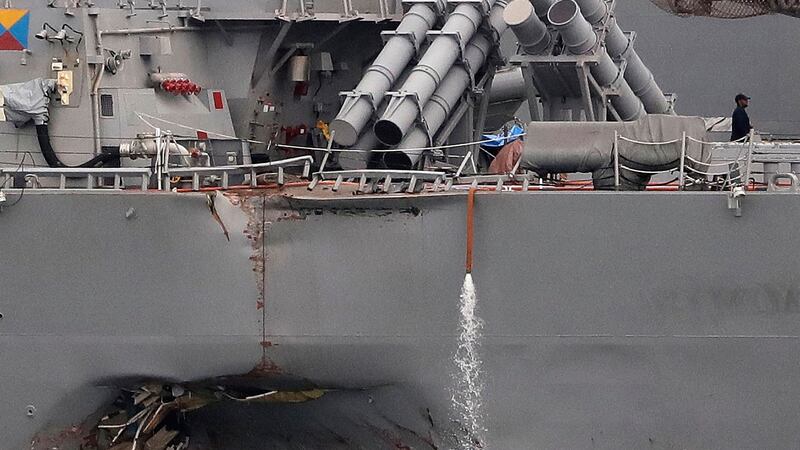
(725, 175)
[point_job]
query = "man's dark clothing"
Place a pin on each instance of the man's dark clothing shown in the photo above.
(741, 124)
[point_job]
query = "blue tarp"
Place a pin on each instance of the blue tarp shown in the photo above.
(498, 141)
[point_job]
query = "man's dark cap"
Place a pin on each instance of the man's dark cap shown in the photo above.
(742, 97)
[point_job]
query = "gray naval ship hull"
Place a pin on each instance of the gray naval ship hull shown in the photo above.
(612, 320)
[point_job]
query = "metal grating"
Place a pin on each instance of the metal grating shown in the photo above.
(106, 105)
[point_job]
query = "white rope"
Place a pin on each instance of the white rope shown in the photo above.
(713, 174)
(187, 127)
(737, 141)
(646, 172)
(407, 150)
(725, 164)
(632, 141)
(317, 149)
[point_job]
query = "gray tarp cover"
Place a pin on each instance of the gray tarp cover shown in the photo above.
(27, 101)
(567, 147)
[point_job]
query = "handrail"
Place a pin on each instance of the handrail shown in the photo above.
(91, 174)
(733, 173)
(364, 176)
(119, 173)
(252, 169)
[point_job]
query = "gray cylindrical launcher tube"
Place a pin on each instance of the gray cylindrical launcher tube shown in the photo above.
(577, 33)
(507, 84)
(403, 110)
(637, 75)
(541, 7)
(382, 74)
(579, 37)
(531, 32)
(441, 105)
(593, 10)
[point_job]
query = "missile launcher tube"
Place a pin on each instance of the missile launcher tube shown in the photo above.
(507, 84)
(637, 75)
(403, 110)
(531, 32)
(441, 105)
(579, 37)
(383, 73)
(541, 7)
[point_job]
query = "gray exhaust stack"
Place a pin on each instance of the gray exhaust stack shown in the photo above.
(405, 105)
(531, 32)
(579, 37)
(360, 104)
(447, 95)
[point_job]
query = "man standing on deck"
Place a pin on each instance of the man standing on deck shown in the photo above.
(741, 121)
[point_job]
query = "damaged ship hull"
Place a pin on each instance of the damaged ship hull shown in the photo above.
(612, 320)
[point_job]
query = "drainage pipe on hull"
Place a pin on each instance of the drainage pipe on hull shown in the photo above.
(579, 37)
(447, 95)
(531, 32)
(360, 104)
(405, 105)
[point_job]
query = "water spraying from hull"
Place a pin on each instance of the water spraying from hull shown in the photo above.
(467, 394)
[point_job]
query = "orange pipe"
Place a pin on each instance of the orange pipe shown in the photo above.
(470, 227)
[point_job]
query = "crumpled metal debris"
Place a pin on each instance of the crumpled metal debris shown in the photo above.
(149, 417)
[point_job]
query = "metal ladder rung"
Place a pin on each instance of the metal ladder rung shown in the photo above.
(362, 183)
(281, 180)
(387, 183)
(412, 184)
(338, 183)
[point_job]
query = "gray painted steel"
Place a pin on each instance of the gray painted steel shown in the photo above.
(666, 337)
(382, 74)
(580, 38)
(450, 90)
(613, 320)
(530, 31)
(426, 76)
(637, 74)
(541, 7)
(707, 62)
(507, 84)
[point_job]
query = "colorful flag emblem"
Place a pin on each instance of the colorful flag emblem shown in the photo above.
(14, 29)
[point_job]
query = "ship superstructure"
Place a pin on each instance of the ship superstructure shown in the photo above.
(241, 225)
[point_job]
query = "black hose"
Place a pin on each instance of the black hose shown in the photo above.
(43, 135)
